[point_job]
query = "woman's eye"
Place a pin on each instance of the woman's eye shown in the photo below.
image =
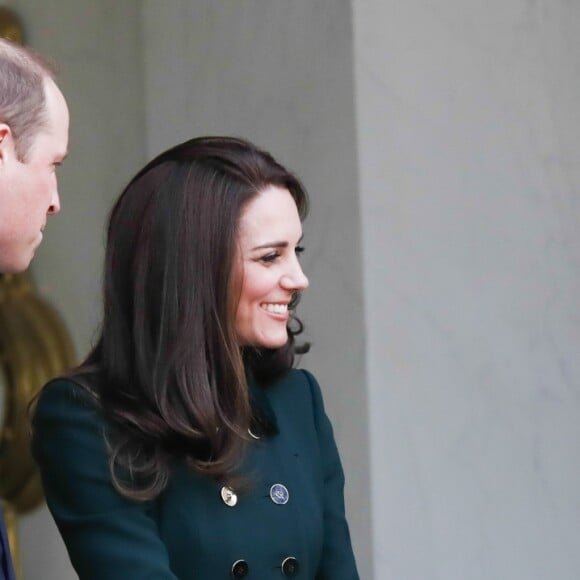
(270, 257)
(299, 250)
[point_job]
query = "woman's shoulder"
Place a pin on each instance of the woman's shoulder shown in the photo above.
(300, 379)
(62, 400)
(297, 388)
(296, 376)
(67, 390)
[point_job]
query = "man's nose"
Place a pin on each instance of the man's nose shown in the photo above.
(54, 206)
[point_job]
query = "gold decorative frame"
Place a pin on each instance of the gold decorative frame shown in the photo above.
(10, 26)
(34, 347)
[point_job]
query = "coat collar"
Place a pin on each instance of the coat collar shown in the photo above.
(263, 422)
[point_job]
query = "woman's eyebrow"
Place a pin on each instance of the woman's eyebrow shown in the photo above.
(271, 245)
(275, 244)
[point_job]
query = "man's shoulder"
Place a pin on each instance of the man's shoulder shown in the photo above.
(6, 571)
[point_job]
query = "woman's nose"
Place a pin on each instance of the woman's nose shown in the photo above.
(295, 279)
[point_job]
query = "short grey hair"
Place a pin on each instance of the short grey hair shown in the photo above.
(23, 73)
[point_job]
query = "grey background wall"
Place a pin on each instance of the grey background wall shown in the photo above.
(440, 144)
(469, 141)
(97, 47)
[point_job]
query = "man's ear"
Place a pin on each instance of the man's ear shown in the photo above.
(6, 142)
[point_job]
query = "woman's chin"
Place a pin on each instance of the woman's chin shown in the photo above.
(273, 341)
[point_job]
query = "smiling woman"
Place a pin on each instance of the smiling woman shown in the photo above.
(269, 233)
(186, 446)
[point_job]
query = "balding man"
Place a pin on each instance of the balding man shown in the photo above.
(34, 122)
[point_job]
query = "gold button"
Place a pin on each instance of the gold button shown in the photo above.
(228, 496)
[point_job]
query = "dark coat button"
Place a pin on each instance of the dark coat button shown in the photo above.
(240, 569)
(252, 434)
(290, 566)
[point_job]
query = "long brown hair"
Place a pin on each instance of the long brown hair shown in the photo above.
(167, 368)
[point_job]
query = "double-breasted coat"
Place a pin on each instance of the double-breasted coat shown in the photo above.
(289, 522)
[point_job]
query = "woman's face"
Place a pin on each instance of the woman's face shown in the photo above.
(268, 249)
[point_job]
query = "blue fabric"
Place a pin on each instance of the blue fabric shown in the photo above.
(6, 570)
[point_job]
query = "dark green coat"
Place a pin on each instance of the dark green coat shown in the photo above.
(189, 533)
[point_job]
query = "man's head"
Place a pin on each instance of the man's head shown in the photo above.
(34, 123)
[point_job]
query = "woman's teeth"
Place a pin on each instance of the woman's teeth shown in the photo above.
(276, 308)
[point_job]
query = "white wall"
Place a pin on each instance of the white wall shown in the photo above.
(469, 138)
(97, 47)
(280, 74)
